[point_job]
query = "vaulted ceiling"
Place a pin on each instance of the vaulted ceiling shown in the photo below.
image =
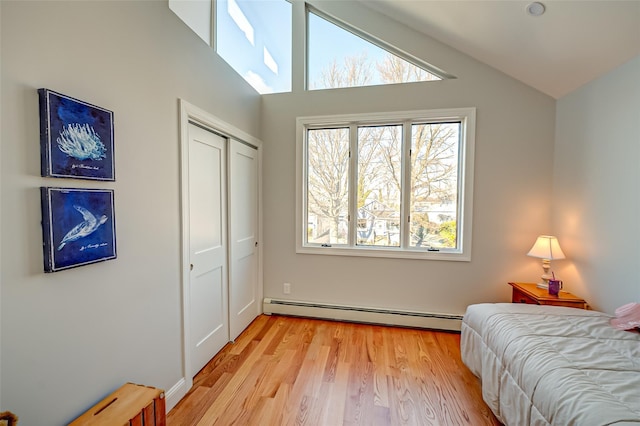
(572, 43)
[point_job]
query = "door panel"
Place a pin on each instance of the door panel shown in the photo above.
(209, 326)
(208, 287)
(243, 279)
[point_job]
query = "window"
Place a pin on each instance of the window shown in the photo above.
(390, 185)
(341, 56)
(328, 185)
(254, 37)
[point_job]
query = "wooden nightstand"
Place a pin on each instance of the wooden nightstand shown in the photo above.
(532, 294)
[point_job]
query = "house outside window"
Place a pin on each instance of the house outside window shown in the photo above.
(386, 185)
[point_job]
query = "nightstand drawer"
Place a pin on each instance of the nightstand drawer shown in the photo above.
(567, 303)
(520, 297)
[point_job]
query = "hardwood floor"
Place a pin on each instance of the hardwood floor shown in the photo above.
(296, 371)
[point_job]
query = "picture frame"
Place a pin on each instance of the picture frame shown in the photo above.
(76, 138)
(78, 227)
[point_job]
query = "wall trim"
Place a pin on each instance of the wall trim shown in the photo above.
(430, 320)
(175, 394)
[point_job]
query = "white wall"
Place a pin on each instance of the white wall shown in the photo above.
(513, 183)
(597, 187)
(71, 337)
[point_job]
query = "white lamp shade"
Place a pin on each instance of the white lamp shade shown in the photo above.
(546, 247)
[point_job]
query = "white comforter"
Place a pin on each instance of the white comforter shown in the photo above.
(542, 365)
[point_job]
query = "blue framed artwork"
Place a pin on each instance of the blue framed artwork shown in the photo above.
(76, 138)
(78, 227)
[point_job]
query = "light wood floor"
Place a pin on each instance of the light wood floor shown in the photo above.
(295, 371)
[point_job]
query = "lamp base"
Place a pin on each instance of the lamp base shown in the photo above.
(545, 280)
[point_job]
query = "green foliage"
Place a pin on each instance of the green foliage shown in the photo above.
(448, 232)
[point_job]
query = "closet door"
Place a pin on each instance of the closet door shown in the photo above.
(243, 236)
(207, 292)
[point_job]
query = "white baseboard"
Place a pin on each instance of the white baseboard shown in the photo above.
(437, 321)
(175, 394)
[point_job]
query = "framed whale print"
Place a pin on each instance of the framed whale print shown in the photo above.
(76, 138)
(78, 227)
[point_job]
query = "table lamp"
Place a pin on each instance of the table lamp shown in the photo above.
(546, 248)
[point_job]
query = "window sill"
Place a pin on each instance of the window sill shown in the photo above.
(386, 253)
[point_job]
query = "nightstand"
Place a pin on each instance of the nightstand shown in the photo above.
(534, 295)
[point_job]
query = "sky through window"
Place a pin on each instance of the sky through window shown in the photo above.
(254, 37)
(339, 58)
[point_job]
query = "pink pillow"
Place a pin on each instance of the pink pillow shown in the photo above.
(627, 317)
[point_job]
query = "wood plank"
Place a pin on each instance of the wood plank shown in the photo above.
(335, 396)
(297, 371)
(191, 408)
(160, 410)
(149, 414)
(225, 400)
(137, 420)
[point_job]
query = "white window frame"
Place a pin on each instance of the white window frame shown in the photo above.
(466, 116)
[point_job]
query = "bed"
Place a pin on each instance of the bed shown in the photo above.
(549, 365)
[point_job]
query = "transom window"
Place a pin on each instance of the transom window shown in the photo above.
(395, 185)
(255, 39)
(339, 55)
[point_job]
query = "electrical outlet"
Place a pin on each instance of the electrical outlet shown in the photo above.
(286, 288)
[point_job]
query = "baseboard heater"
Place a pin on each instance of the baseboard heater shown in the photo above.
(435, 321)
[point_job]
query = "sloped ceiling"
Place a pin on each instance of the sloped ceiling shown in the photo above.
(572, 43)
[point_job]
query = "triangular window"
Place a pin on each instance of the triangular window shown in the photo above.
(338, 56)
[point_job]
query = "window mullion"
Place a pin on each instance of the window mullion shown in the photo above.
(304, 194)
(405, 208)
(213, 40)
(462, 172)
(353, 185)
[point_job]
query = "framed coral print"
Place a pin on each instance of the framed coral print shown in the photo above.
(78, 227)
(76, 138)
